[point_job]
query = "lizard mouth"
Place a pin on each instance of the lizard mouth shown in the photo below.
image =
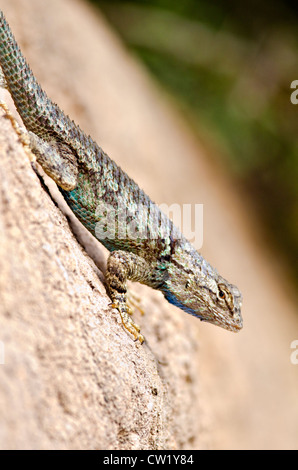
(234, 323)
(237, 325)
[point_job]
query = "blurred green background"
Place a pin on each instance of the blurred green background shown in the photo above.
(229, 66)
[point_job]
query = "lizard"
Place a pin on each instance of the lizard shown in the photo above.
(154, 252)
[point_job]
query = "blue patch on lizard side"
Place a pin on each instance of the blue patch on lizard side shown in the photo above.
(173, 300)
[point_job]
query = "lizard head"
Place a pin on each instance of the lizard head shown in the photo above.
(197, 288)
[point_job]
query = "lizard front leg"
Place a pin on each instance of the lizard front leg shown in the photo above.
(57, 160)
(123, 266)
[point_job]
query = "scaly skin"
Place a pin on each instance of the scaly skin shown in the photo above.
(152, 251)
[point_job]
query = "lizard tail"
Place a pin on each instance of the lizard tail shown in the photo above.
(36, 109)
(18, 76)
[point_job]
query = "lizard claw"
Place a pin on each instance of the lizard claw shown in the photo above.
(127, 321)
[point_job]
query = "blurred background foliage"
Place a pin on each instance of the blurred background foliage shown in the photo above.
(230, 66)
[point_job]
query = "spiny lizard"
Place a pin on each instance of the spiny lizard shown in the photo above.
(155, 253)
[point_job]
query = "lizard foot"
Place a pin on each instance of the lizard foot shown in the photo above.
(133, 302)
(127, 321)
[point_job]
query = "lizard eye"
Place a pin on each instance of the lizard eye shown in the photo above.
(221, 294)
